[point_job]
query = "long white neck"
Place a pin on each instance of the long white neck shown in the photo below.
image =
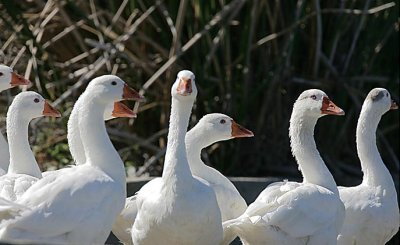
(305, 151)
(176, 167)
(99, 150)
(375, 171)
(196, 140)
(22, 160)
(74, 138)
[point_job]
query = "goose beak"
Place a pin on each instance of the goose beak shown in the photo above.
(17, 79)
(329, 108)
(50, 111)
(394, 105)
(129, 93)
(121, 110)
(238, 131)
(184, 87)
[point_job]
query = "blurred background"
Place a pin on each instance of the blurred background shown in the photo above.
(251, 59)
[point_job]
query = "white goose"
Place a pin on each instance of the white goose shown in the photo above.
(79, 205)
(113, 110)
(178, 208)
(210, 129)
(8, 79)
(372, 211)
(23, 170)
(294, 213)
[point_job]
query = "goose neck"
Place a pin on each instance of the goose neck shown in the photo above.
(196, 141)
(375, 171)
(99, 150)
(176, 167)
(305, 151)
(22, 160)
(74, 137)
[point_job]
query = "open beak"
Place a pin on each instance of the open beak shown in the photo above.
(17, 79)
(239, 131)
(184, 87)
(121, 110)
(329, 108)
(394, 105)
(49, 111)
(129, 93)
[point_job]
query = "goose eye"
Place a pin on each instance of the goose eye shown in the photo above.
(222, 121)
(1, 74)
(36, 100)
(314, 97)
(113, 83)
(387, 94)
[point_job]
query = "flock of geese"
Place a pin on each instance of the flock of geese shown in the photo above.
(191, 203)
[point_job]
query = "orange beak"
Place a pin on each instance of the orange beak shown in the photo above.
(49, 111)
(17, 79)
(129, 93)
(184, 87)
(121, 110)
(329, 108)
(239, 131)
(394, 105)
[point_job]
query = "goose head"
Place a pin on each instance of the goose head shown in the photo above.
(315, 103)
(220, 127)
(107, 89)
(33, 105)
(9, 78)
(117, 109)
(379, 101)
(184, 87)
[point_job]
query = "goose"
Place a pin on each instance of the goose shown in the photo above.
(372, 211)
(112, 110)
(295, 213)
(178, 208)
(23, 170)
(210, 129)
(79, 205)
(8, 79)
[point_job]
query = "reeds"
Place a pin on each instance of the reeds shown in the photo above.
(251, 60)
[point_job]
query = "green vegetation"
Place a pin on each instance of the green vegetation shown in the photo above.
(251, 59)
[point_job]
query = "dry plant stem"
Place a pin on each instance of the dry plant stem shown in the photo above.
(234, 5)
(356, 35)
(273, 36)
(75, 33)
(180, 20)
(318, 38)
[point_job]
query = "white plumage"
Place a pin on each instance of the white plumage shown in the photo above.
(23, 170)
(79, 204)
(210, 129)
(372, 211)
(8, 79)
(296, 213)
(179, 209)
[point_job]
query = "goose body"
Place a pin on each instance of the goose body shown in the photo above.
(23, 170)
(372, 211)
(180, 209)
(290, 212)
(210, 129)
(8, 79)
(79, 204)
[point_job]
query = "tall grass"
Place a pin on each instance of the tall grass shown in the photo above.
(251, 60)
